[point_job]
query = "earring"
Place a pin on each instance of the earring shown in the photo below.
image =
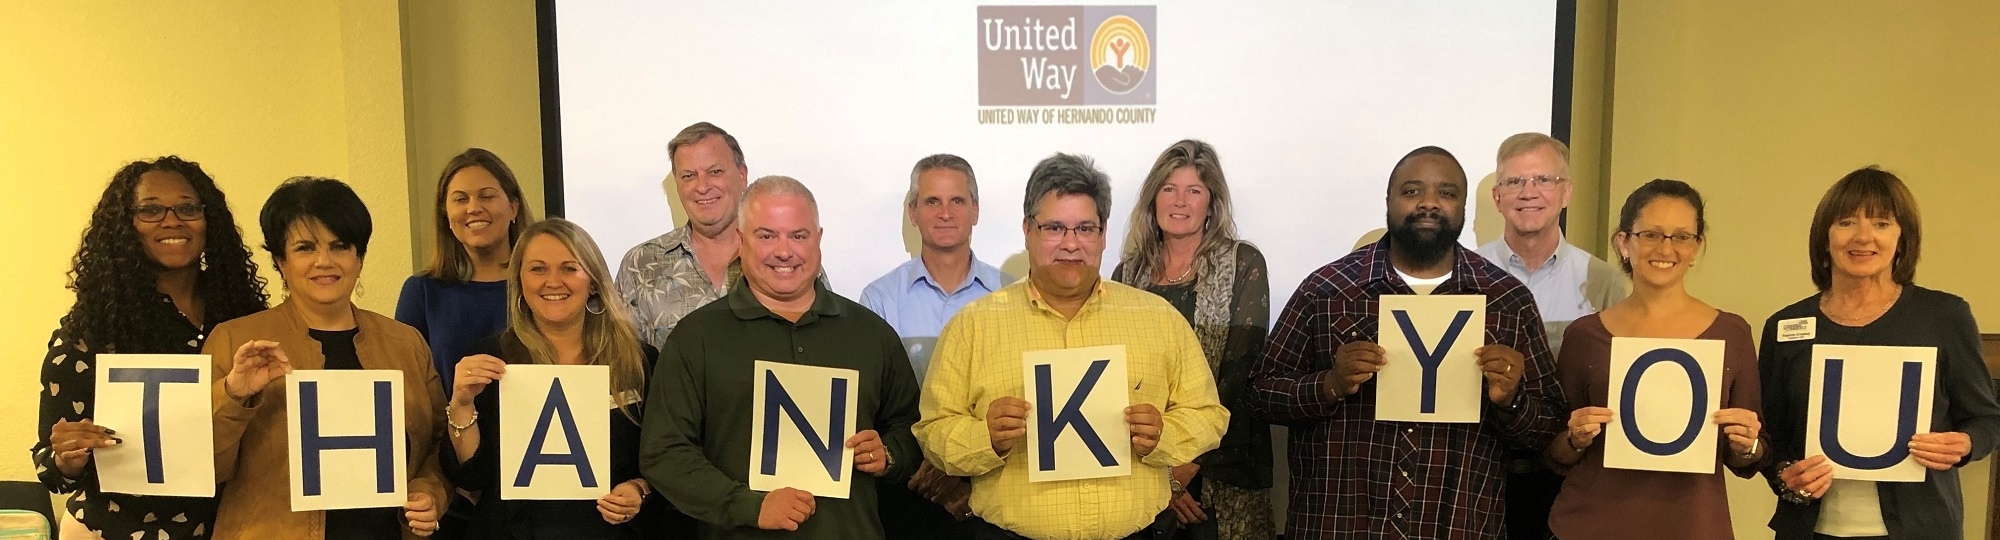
(594, 305)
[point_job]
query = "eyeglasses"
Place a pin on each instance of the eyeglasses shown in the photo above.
(153, 213)
(1653, 238)
(1052, 232)
(1515, 183)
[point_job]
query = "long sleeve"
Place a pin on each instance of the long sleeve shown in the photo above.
(671, 455)
(1287, 384)
(410, 306)
(1966, 381)
(1250, 320)
(482, 469)
(65, 395)
(425, 438)
(1540, 399)
(1777, 406)
(1194, 419)
(899, 412)
(232, 418)
(952, 429)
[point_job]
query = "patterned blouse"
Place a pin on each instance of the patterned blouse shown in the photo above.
(69, 391)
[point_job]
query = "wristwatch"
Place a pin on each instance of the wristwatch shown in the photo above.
(1174, 486)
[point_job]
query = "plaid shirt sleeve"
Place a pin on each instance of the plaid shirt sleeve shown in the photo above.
(1288, 382)
(1538, 414)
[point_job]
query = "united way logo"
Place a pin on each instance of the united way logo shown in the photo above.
(1067, 56)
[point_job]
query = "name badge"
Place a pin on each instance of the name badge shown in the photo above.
(1795, 329)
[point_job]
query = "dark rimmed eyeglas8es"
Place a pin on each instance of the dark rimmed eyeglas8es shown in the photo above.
(1052, 231)
(153, 213)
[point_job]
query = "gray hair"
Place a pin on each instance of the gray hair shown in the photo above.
(941, 161)
(774, 185)
(1068, 174)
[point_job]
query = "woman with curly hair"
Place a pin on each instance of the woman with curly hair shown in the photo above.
(160, 264)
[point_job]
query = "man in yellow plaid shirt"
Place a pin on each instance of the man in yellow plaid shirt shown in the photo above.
(975, 420)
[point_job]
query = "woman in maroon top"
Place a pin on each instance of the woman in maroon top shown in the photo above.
(1660, 231)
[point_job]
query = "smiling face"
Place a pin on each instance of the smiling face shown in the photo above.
(780, 247)
(477, 209)
(172, 242)
(1528, 206)
(944, 214)
(1663, 243)
(1864, 245)
(319, 267)
(709, 182)
(1064, 263)
(554, 283)
(1426, 207)
(1181, 206)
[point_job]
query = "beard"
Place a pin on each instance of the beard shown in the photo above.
(1421, 246)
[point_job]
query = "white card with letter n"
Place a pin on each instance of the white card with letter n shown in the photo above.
(555, 443)
(800, 420)
(159, 405)
(346, 438)
(1431, 373)
(1663, 397)
(1076, 414)
(1864, 404)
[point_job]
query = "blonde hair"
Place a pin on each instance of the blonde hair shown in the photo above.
(608, 337)
(1522, 143)
(1145, 244)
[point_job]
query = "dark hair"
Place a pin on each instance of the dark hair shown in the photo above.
(1425, 151)
(1877, 193)
(1656, 189)
(116, 282)
(331, 202)
(449, 263)
(694, 134)
(1068, 174)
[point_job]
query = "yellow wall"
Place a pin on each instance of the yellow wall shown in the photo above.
(255, 91)
(1763, 105)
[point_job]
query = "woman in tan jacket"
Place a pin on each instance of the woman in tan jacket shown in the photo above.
(317, 232)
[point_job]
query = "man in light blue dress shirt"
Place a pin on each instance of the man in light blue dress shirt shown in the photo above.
(917, 298)
(1531, 188)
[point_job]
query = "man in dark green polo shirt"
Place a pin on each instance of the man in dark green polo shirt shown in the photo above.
(696, 447)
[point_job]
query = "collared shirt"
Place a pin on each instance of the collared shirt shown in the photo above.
(979, 360)
(696, 449)
(1559, 285)
(1354, 475)
(913, 302)
(663, 282)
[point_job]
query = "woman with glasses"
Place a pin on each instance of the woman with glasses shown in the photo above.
(1863, 245)
(317, 232)
(160, 264)
(1183, 247)
(562, 310)
(1660, 232)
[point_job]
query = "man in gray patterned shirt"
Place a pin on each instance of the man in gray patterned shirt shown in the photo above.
(692, 265)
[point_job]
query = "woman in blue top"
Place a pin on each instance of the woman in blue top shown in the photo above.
(461, 296)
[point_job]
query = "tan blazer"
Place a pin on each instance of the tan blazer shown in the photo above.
(251, 457)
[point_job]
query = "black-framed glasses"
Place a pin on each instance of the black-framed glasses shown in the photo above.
(1052, 232)
(153, 213)
(1653, 238)
(1540, 182)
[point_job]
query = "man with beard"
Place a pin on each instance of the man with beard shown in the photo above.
(1354, 475)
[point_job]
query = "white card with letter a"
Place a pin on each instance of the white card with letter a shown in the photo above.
(555, 443)
(1431, 374)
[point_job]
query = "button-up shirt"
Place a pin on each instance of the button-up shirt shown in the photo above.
(1354, 475)
(1559, 284)
(663, 282)
(917, 306)
(979, 359)
(696, 449)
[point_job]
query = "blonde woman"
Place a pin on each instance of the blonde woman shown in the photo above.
(1183, 246)
(561, 310)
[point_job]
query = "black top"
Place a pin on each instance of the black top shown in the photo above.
(499, 519)
(355, 523)
(69, 392)
(1922, 317)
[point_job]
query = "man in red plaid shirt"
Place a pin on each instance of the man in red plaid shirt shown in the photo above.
(1353, 476)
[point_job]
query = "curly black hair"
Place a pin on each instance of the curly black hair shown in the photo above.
(117, 302)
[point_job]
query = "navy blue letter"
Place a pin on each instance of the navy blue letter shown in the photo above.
(383, 442)
(1427, 401)
(1051, 426)
(775, 399)
(150, 409)
(1628, 405)
(556, 407)
(1906, 419)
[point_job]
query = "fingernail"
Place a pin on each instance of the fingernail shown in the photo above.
(115, 440)
(109, 431)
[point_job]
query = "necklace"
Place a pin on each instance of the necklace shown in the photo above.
(1184, 275)
(1861, 317)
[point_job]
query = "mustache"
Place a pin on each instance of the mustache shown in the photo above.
(1433, 216)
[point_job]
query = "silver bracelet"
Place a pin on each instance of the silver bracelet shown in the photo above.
(456, 429)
